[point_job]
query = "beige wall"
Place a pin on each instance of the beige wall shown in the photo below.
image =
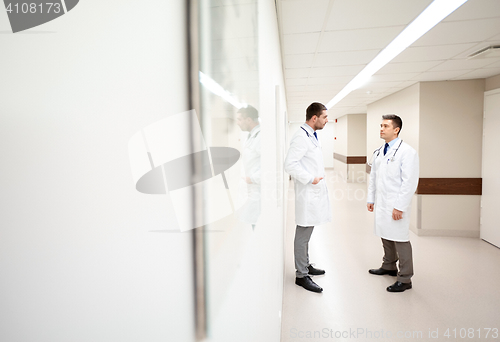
(404, 103)
(356, 136)
(451, 116)
(449, 215)
(451, 120)
(326, 136)
(350, 132)
(492, 83)
(340, 145)
(340, 168)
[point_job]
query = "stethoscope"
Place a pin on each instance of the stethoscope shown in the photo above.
(308, 135)
(378, 152)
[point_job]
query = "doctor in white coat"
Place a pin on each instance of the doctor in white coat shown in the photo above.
(247, 119)
(304, 162)
(393, 181)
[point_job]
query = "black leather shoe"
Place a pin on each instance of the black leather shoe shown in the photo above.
(308, 284)
(381, 271)
(399, 287)
(315, 271)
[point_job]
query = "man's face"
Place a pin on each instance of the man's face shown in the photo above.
(321, 120)
(387, 130)
(242, 122)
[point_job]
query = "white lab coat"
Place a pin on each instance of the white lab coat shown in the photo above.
(392, 186)
(304, 162)
(250, 211)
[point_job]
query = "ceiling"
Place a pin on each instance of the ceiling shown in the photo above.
(325, 43)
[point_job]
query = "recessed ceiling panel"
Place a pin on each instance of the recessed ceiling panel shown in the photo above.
(439, 75)
(297, 73)
(299, 61)
(362, 39)
(353, 14)
(394, 77)
(470, 31)
(464, 64)
(395, 68)
(302, 16)
(480, 73)
(431, 53)
(476, 9)
(339, 80)
(344, 58)
(301, 43)
(346, 70)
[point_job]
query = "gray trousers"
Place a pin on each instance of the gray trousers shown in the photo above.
(301, 250)
(394, 250)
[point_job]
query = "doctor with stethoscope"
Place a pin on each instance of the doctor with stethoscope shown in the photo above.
(304, 162)
(393, 182)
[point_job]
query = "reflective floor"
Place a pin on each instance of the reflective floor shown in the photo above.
(456, 286)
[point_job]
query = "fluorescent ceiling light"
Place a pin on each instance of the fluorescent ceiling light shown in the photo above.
(217, 89)
(430, 17)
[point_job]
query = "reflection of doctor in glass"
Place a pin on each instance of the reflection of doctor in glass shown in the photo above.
(248, 120)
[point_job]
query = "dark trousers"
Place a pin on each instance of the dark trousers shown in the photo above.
(394, 250)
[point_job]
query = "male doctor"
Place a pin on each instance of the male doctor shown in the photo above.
(393, 181)
(248, 120)
(304, 162)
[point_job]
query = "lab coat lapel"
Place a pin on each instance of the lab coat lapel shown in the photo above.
(252, 135)
(306, 128)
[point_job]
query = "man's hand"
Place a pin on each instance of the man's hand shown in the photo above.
(316, 180)
(397, 215)
(369, 206)
(247, 180)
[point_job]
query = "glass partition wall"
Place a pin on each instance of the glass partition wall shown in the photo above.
(227, 97)
(238, 93)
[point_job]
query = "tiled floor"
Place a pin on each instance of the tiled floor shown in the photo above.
(456, 286)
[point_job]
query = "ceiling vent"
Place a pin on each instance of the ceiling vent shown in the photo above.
(490, 51)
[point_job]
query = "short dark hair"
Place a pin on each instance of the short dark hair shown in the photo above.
(396, 121)
(314, 109)
(249, 112)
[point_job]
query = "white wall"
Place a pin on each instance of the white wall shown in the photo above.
(77, 257)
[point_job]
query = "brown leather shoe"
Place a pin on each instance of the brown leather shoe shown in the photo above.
(382, 271)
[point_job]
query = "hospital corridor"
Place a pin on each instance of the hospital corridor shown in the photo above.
(452, 276)
(249, 170)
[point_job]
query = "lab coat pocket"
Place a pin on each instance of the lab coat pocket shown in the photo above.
(314, 194)
(393, 168)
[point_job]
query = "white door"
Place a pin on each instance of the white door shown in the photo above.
(490, 218)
